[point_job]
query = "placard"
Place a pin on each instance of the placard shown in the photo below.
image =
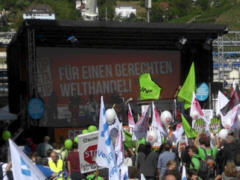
(208, 114)
(202, 92)
(87, 145)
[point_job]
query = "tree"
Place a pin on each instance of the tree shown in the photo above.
(182, 7)
(132, 18)
(204, 4)
(156, 14)
(106, 7)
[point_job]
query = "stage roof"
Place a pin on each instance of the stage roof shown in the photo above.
(117, 35)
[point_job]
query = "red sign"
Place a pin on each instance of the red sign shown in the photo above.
(90, 154)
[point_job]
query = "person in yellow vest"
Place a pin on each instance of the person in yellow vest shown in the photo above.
(56, 165)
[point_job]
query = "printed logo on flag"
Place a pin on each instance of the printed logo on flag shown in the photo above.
(104, 131)
(25, 168)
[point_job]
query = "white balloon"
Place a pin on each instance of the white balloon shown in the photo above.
(152, 136)
(223, 133)
(166, 117)
(195, 115)
(110, 114)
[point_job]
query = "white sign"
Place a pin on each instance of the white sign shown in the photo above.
(208, 114)
(87, 145)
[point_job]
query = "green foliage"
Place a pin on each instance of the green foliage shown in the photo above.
(179, 11)
(204, 4)
(211, 14)
(107, 7)
(64, 9)
(142, 3)
(156, 14)
(231, 18)
(181, 7)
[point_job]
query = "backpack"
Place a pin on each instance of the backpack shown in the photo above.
(204, 170)
(210, 160)
(209, 157)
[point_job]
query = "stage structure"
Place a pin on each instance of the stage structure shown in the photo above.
(69, 65)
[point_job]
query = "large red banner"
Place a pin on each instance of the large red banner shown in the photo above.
(74, 79)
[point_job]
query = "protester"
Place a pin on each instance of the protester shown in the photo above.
(170, 176)
(29, 147)
(195, 158)
(43, 167)
(73, 164)
(163, 159)
(147, 162)
(3, 168)
(172, 168)
(207, 153)
(43, 148)
(128, 159)
(204, 148)
(193, 175)
(56, 165)
(230, 171)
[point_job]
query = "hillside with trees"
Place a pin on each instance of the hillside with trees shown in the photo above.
(164, 11)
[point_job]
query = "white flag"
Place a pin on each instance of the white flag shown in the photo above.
(195, 106)
(141, 128)
(124, 173)
(221, 103)
(142, 177)
(113, 129)
(22, 167)
(119, 147)
(177, 134)
(156, 121)
(230, 118)
(105, 152)
(184, 174)
(131, 122)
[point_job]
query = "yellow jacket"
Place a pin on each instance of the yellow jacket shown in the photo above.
(56, 167)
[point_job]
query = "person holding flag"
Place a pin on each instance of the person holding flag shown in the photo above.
(22, 167)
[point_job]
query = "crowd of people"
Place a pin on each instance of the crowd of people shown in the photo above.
(204, 157)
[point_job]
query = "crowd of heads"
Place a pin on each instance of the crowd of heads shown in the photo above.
(165, 162)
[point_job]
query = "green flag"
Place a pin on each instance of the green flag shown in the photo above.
(128, 140)
(188, 88)
(148, 88)
(189, 131)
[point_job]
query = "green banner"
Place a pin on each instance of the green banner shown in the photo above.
(148, 89)
(129, 143)
(189, 131)
(188, 87)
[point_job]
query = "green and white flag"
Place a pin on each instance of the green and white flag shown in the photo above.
(148, 89)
